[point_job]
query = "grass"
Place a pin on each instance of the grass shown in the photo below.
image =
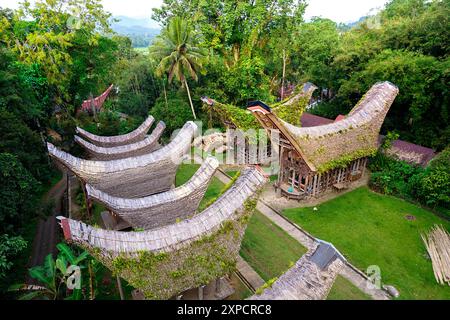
(371, 229)
(345, 290)
(186, 171)
(96, 211)
(268, 249)
(241, 292)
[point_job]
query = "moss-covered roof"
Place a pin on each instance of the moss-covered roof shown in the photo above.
(334, 145)
(290, 109)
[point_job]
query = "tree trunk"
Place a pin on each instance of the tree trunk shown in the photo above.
(284, 74)
(190, 99)
(165, 95)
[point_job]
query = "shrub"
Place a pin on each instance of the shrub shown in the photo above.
(175, 113)
(429, 187)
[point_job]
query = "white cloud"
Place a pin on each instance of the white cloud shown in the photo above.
(342, 10)
(130, 8)
(337, 10)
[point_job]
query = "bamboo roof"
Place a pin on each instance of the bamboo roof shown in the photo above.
(162, 208)
(149, 144)
(115, 141)
(356, 136)
(132, 177)
(307, 279)
(170, 237)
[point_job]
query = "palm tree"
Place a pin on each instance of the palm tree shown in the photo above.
(178, 54)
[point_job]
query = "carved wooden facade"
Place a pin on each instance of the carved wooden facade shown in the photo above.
(316, 159)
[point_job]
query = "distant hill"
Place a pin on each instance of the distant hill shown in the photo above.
(141, 31)
(349, 25)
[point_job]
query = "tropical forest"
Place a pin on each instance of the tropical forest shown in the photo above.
(242, 150)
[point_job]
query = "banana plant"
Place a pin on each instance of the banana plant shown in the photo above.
(55, 273)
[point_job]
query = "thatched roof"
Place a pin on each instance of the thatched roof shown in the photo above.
(327, 146)
(308, 279)
(173, 236)
(132, 177)
(163, 208)
(115, 141)
(149, 144)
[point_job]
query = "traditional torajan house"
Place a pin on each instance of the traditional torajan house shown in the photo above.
(315, 159)
(243, 143)
(311, 278)
(145, 146)
(137, 175)
(163, 208)
(165, 261)
(96, 104)
(134, 136)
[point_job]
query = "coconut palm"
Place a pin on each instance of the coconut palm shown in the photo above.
(178, 54)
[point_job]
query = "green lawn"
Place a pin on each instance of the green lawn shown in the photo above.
(371, 229)
(345, 290)
(268, 249)
(186, 171)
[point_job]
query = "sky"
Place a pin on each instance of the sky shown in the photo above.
(337, 10)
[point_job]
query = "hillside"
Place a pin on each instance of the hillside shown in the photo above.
(140, 31)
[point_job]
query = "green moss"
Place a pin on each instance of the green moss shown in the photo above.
(163, 275)
(345, 160)
(291, 113)
(241, 118)
(265, 286)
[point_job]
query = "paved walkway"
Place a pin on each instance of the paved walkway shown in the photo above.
(349, 272)
(251, 277)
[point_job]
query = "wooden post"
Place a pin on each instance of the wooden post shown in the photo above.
(315, 185)
(86, 199)
(364, 166)
(318, 185)
(69, 200)
(200, 292)
(218, 285)
(284, 74)
(119, 285)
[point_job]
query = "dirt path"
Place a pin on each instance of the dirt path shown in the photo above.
(47, 233)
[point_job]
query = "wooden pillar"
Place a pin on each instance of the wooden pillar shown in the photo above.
(281, 170)
(319, 181)
(328, 181)
(315, 185)
(218, 285)
(69, 196)
(364, 166)
(86, 199)
(119, 285)
(307, 184)
(200, 292)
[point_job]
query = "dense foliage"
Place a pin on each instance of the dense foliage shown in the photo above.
(430, 186)
(407, 44)
(54, 54)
